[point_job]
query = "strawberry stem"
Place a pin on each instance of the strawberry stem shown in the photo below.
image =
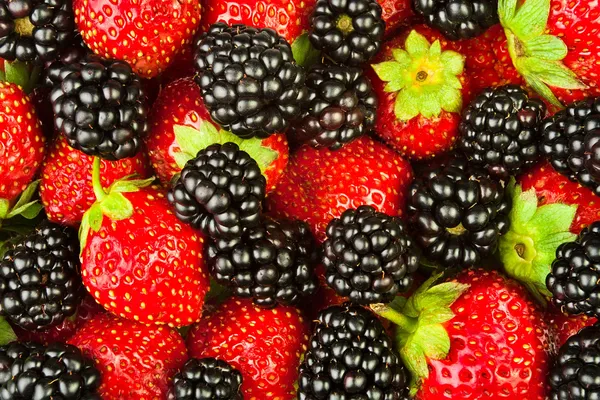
(405, 323)
(96, 184)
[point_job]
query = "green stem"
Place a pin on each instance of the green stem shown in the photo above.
(406, 324)
(97, 185)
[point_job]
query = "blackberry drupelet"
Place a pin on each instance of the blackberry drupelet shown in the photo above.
(350, 356)
(349, 32)
(501, 130)
(273, 263)
(249, 80)
(458, 19)
(342, 107)
(207, 379)
(369, 256)
(66, 62)
(40, 284)
(576, 372)
(220, 191)
(35, 30)
(99, 106)
(574, 277)
(571, 141)
(58, 371)
(457, 213)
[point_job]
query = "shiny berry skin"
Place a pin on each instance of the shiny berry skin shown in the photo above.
(457, 213)
(458, 19)
(273, 263)
(577, 368)
(342, 107)
(351, 356)
(99, 106)
(40, 284)
(349, 32)
(249, 80)
(501, 130)
(220, 191)
(369, 256)
(571, 142)
(35, 30)
(574, 277)
(207, 379)
(57, 371)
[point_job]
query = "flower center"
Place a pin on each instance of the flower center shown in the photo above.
(422, 76)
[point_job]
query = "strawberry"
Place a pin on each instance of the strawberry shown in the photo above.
(136, 361)
(396, 14)
(554, 47)
(564, 325)
(137, 259)
(422, 86)
(66, 180)
(147, 34)
(180, 126)
(320, 184)
(476, 336)
(264, 345)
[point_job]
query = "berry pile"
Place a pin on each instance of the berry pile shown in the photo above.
(299, 199)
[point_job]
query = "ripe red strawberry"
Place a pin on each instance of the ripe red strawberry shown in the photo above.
(422, 86)
(264, 345)
(147, 34)
(396, 14)
(138, 260)
(137, 362)
(564, 325)
(554, 46)
(180, 126)
(66, 180)
(478, 336)
(321, 184)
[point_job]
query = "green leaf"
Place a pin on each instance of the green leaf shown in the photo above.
(95, 217)
(450, 99)
(181, 158)
(524, 208)
(416, 44)
(27, 194)
(28, 211)
(552, 73)
(542, 89)
(4, 206)
(552, 218)
(453, 62)
(389, 71)
(546, 47)
(550, 243)
(129, 185)
(530, 19)
(406, 107)
(414, 359)
(434, 341)
(506, 11)
(438, 296)
(7, 335)
(402, 57)
(17, 72)
(436, 49)
(398, 303)
(116, 207)
(191, 140)
(435, 316)
(304, 52)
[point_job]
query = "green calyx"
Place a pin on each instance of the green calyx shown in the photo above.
(25, 206)
(191, 141)
(536, 55)
(20, 73)
(529, 248)
(305, 54)
(421, 334)
(425, 78)
(110, 203)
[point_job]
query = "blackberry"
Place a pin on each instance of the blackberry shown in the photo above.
(575, 274)
(458, 19)
(58, 371)
(66, 62)
(273, 262)
(350, 356)
(35, 30)
(576, 372)
(501, 130)
(457, 213)
(207, 379)
(40, 284)
(349, 32)
(249, 80)
(342, 107)
(368, 256)
(220, 191)
(570, 141)
(99, 106)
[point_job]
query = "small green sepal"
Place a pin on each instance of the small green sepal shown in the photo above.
(25, 206)
(305, 54)
(7, 334)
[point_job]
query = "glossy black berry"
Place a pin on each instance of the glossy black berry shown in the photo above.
(571, 141)
(66, 62)
(457, 213)
(35, 30)
(576, 371)
(349, 32)
(342, 107)
(207, 379)
(368, 256)
(99, 106)
(501, 130)
(249, 80)
(59, 371)
(40, 284)
(220, 191)
(273, 263)
(458, 19)
(575, 275)
(350, 356)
